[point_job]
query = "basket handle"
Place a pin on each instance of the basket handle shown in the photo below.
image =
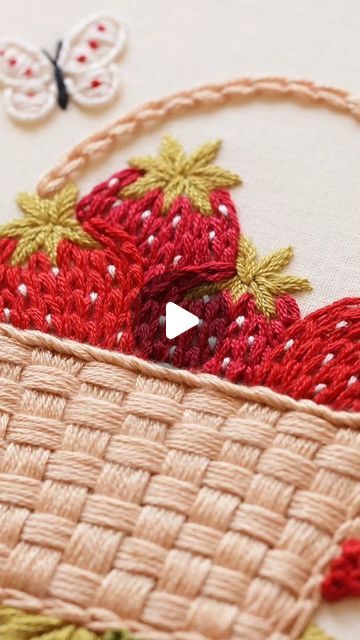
(207, 95)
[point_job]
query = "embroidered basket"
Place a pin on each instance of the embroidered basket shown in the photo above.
(202, 510)
(175, 505)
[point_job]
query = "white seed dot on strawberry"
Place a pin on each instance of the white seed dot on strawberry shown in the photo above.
(328, 358)
(206, 298)
(172, 351)
(146, 214)
(223, 209)
(240, 321)
(212, 235)
(22, 289)
(150, 239)
(176, 221)
(288, 344)
(225, 362)
(93, 296)
(200, 323)
(55, 271)
(176, 260)
(212, 342)
(113, 182)
(48, 319)
(162, 321)
(119, 336)
(352, 380)
(251, 340)
(341, 324)
(320, 387)
(112, 270)
(7, 314)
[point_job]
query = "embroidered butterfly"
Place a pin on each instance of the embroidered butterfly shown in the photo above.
(82, 70)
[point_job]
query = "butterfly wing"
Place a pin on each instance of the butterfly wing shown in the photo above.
(95, 43)
(27, 77)
(86, 59)
(21, 63)
(29, 103)
(95, 87)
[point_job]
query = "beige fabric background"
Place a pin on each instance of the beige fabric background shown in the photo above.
(300, 165)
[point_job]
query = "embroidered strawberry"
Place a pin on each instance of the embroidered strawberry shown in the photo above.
(76, 281)
(343, 578)
(176, 208)
(193, 348)
(185, 226)
(260, 309)
(244, 311)
(319, 358)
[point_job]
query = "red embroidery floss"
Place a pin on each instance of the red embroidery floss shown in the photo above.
(343, 579)
(78, 282)
(179, 233)
(319, 358)
(181, 238)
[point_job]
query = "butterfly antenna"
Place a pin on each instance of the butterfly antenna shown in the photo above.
(58, 50)
(49, 57)
(57, 53)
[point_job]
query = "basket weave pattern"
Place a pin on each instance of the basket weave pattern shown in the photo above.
(131, 495)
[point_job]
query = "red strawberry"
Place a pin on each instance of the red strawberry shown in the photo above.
(243, 309)
(174, 207)
(343, 578)
(319, 358)
(185, 228)
(250, 335)
(75, 281)
(193, 348)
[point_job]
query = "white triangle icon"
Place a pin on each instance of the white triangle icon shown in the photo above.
(178, 320)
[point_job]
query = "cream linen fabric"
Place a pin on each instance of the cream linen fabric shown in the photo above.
(300, 165)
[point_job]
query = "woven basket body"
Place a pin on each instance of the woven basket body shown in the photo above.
(178, 506)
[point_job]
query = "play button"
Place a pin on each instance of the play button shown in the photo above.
(178, 320)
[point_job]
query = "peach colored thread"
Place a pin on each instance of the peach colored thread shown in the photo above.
(178, 506)
(207, 95)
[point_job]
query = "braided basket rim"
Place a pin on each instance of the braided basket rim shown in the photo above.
(195, 380)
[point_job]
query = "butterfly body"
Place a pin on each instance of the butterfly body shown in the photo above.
(62, 92)
(82, 69)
